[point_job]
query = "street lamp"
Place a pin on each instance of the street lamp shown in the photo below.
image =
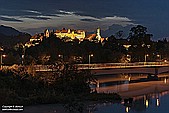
(23, 54)
(165, 61)
(145, 57)
(1, 50)
(90, 55)
(128, 58)
(60, 56)
(2, 56)
(159, 56)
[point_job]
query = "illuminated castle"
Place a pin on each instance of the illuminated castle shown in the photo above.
(72, 34)
(65, 33)
(98, 36)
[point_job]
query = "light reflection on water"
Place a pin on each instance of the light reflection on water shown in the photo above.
(139, 94)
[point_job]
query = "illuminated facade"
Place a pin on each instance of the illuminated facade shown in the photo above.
(98, 36)
(72, 34)
(34, 40)
(69, 34)
(46, 33)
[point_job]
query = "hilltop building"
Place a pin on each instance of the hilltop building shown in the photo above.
(69, 34)
(46, 33)
(72, 34)
(98, 36)
(35, 40)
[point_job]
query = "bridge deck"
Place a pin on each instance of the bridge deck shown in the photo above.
(110, 68)
(121, 65)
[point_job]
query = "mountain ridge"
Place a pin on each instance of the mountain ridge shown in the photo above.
(9, 36)
(9, 31)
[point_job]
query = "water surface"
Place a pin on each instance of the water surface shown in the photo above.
(139, 94)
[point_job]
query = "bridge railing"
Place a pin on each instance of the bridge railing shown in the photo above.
(120, 65)
(99, 66)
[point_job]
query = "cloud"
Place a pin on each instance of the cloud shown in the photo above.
(88, 20)
(33, 14)
(112, 20)
(83, 14)
(37, 17)
(10, 19)
(32, 11)
(15, 12)
(116, 18)
(51, 15)
(65, 12)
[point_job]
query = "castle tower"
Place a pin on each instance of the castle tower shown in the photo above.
(46, 33)
(83, 34)
(68, 31)
(98, 36)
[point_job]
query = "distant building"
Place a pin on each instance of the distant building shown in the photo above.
(35, 40)
(46, 33)
(73, 34)
(69, 34)
(98, 36)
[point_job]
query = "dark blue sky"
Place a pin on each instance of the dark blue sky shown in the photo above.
(34, 16)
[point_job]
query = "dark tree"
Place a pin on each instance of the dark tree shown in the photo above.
(141, 43)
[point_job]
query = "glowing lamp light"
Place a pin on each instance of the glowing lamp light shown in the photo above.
(165, 80)
(147, 103)
(145, 58)
(3, 55)
(98, 85)
(158, 102)
(126, 46)
(91, 55)
(1, 49)
(127, 109)
(158, 55)
(1, 62)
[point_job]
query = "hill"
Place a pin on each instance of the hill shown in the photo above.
(8, 31)
(10, 36)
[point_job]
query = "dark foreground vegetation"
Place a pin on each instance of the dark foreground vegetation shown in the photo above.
(66, 86)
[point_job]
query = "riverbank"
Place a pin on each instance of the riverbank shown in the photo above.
(72, 104)
(68, 87)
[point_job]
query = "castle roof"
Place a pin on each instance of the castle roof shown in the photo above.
(69, 30)
(91, 36)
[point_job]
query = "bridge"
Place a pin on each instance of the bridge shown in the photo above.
(152, 69)
(117, 68)
(110, 68)
(114, 68)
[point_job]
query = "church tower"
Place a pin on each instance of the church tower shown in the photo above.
(98, 36)
(46, 33)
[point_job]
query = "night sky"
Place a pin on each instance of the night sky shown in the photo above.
(33, 16)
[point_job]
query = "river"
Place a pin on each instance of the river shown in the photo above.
(139, 94)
